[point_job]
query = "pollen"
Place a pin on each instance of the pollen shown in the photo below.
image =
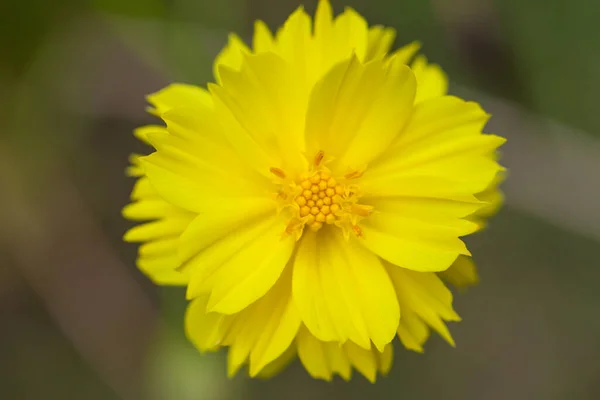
(323, 201)
(357, 230)
(314, 203)
(318, 158)
(278, 172)
(317, 199)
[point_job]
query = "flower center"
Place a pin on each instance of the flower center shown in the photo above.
(321, 200)
(317, 199)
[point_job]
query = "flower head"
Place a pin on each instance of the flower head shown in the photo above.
(310, 198)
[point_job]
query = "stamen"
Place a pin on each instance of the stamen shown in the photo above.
(318, 199)
(294, 226)
(319, 157)
(353, 174)
(361, 209)
(277, 172)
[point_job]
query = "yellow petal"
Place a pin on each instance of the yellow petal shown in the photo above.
(263, 331)
(322, 359)
(338, 360)
(245, 278)
(312, 355)
(492, 196)
(294, 44)
(204, 329)
(363, 360)
(465, 178)
(142, 132)
(426, 209)
(446, 116)
(309, 292)
(340, 102)
(135, 169)
(279, 364)
(432, 81)
(176, 95)
(194, 185)
(380, 41)
(367, 280)
(157, 229)
(334, 290)
(263, 39)
(204, 266)
(231, 55)
(158, 261)
(462, 273)
(237, 135)
(162, 270)
(351, 35)
(161, 247)
(143, 190)
(323, 38)
(405, 53)
(357, 110)
(343, 292)
(195, 135)
(441, 234)
(441, 153)
(250, 273)
(384, 359)
(412, 254)
(419, 234)
(412, 331)
(153, 208)
(199, 132)
(388, 114)
(414, 158)
(267, 98)
(279, 322)
(209, 228)
(240, 338)
(427, 297)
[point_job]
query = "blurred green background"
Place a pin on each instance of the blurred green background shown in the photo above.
(77, 321)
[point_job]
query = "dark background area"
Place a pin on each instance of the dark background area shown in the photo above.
(78, 321)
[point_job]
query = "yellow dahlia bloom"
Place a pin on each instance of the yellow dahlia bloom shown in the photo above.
(310, 198)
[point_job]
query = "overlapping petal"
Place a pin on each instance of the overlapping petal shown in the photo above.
(160, 223)
(343, 292)
(313, 48)
(356, 111)
(267, 336)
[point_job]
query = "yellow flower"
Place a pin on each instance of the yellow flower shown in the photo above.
(311, 196)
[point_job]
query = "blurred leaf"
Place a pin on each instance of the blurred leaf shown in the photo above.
(414, 20)
(558, 48)
(224, 14)
(24, 26)
(145, 37)
(190, 51)
(132, 8)
(176, 370)
(173, 305)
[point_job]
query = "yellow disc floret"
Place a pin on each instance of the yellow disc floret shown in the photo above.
(317, 199)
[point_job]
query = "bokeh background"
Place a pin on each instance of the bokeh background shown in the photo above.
(78, 321)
